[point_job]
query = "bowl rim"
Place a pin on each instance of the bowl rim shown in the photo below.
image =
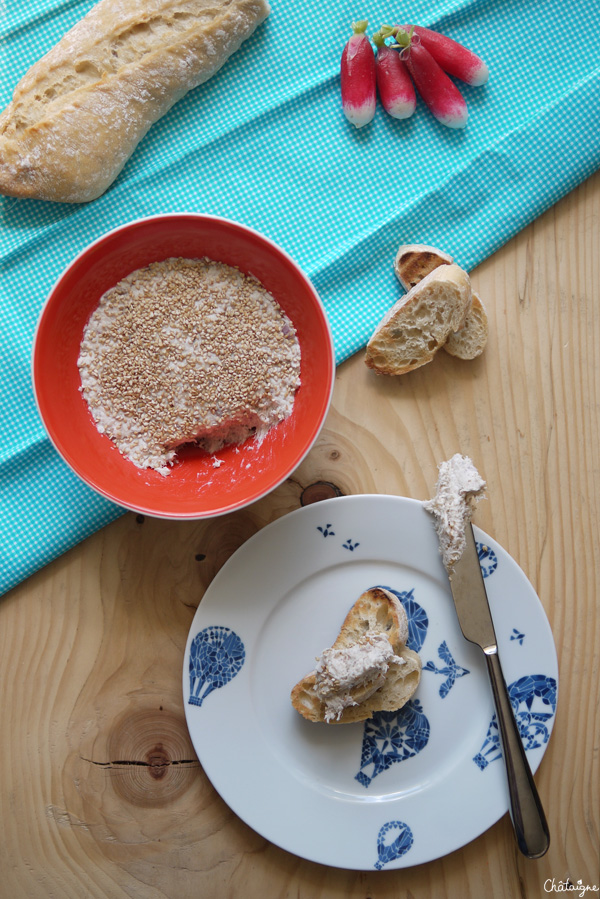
(332, 364)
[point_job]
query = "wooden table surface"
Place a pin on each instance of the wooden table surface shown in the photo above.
(101, 792)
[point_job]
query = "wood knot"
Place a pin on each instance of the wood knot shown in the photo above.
(318, 491)
(158, 761)
(150, 757)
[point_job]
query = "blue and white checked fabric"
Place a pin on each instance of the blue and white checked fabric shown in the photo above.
(265, 143)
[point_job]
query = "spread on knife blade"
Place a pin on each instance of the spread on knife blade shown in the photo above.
(459, 488)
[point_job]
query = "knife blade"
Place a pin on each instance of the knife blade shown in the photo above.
(475, 619)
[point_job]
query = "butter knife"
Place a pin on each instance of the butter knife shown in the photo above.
(474, 616)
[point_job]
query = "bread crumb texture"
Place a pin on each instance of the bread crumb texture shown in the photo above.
(187, 350)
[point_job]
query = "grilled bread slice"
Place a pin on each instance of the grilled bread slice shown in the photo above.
(412, 263)
(376, 611)
(416, 260)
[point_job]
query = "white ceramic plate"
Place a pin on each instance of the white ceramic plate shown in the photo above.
(410, 786)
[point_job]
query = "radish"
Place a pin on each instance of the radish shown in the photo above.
(439, 93)
(395, 87)
(452, 56)
(359, 94)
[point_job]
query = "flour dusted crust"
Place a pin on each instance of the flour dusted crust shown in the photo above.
(80, 111)
(376, 611)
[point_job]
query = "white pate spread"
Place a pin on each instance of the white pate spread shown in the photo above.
(458, 490)
(339, 671)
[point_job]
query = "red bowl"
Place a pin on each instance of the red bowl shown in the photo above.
(194, 488)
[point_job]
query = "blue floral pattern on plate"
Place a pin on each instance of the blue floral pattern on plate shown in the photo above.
(216, 656)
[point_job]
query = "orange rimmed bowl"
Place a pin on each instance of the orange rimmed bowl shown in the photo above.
(195, 488)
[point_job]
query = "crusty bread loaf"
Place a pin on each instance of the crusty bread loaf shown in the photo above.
(376, 611)
(78, 114)
(419, 324)
(470, 341)
(416, 260)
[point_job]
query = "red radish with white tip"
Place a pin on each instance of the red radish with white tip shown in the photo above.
(453, 57)
(439, 93)
(396, 90)
(359, 92)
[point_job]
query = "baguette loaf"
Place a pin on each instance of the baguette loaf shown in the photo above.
(412, 263)
(419, 324)
(79, 113)
(377, 611)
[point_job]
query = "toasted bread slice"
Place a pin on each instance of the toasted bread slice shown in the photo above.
(416, 260)
(412, 263)
(376, 611)
(470, 341)
(419, 324)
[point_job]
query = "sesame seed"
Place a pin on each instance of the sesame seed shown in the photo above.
(187, 350)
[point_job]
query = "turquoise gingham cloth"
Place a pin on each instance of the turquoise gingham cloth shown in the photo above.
(265, 142)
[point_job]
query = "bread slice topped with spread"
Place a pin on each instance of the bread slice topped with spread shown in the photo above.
(420, 323)
(414, 262)
(368, 669)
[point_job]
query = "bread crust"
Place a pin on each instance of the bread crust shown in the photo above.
(415, 261)
(375, 610)
(418, 325)
(470, 341)
(80, 111)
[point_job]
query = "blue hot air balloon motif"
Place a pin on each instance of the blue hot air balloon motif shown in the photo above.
(533, 699)
(391, 737)
(216, 656)
(393, 841)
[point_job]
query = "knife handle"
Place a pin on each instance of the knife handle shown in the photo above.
(527, 814)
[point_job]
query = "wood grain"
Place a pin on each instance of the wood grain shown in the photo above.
(102, 795)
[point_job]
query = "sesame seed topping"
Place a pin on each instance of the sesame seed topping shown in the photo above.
(187, 350)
